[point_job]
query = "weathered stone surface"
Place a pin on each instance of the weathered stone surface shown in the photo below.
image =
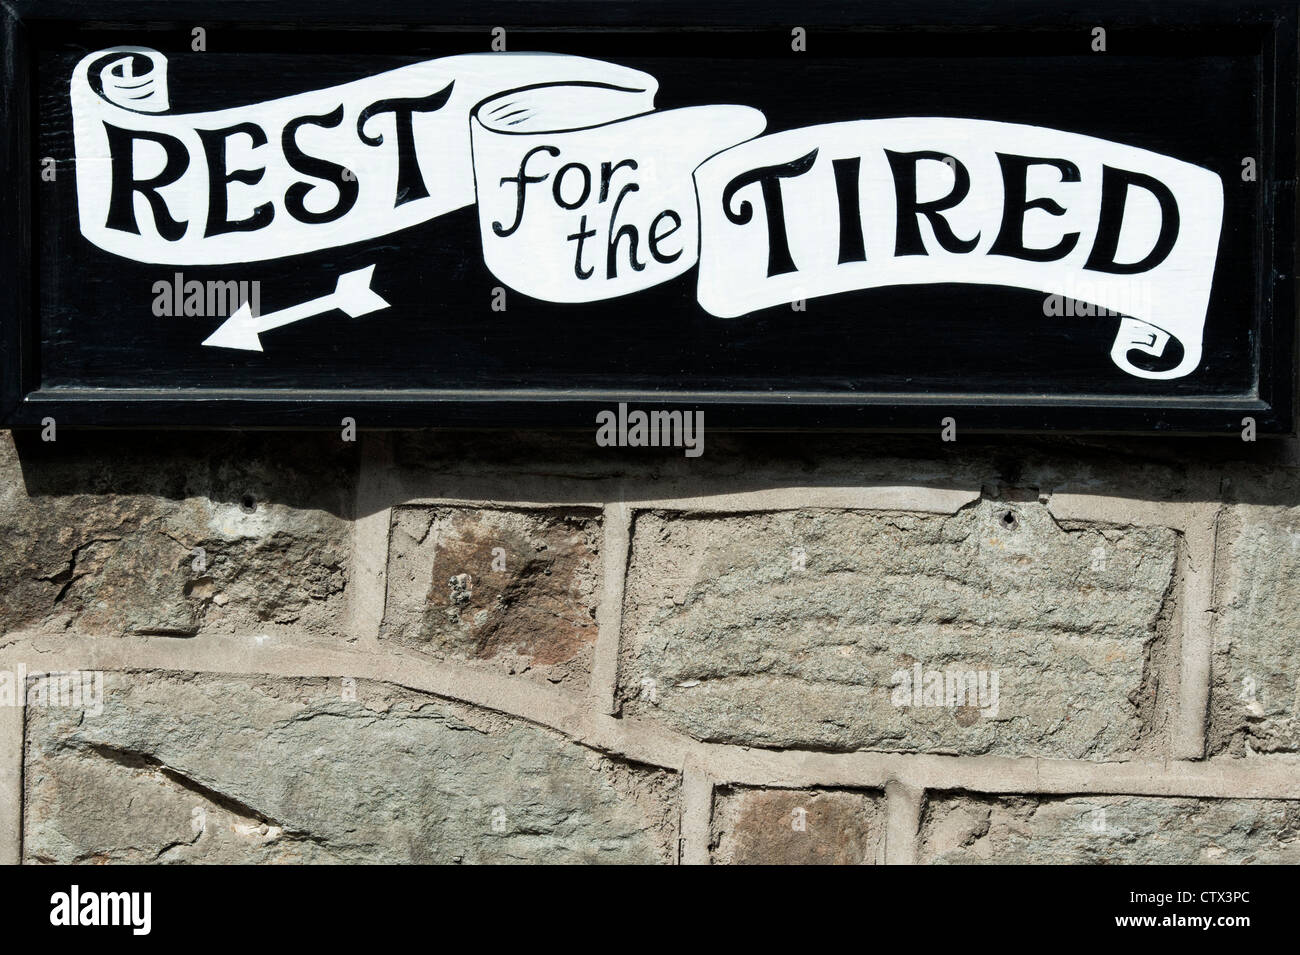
(796, 827)
(288, 770)
(1109, 829)
(794, 629)
(1255, 693)
(514, 590)
(171, 538)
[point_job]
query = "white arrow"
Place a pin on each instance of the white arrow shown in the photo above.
(352, 296)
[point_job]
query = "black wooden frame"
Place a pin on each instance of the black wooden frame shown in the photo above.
(24, 404)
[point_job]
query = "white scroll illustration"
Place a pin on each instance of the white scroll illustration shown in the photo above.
(586, 192)
(292, 175)
(593, 168)
(913, 201)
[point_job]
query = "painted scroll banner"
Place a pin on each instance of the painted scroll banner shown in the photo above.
(580, 214)
(287, 176)
(917, 200)
(586, 192)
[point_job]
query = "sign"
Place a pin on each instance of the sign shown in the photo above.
(1020, 224)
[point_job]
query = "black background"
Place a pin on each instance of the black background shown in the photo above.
(1194, 89)
(98, 327)
(348, 907)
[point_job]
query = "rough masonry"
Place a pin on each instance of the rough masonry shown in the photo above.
(523, 648)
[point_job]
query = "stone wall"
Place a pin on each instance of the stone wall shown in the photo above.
(521, 648)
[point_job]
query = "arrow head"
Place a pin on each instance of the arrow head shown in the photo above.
(238, 331)
(354, 296)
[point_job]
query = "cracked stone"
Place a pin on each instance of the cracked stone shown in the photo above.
(214, 769)
(115, 544)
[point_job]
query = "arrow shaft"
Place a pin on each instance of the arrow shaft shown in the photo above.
(293, 313)
(352, 295)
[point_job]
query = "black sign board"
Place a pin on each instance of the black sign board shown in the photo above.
(788, 214)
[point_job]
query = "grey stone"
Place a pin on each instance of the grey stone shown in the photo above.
(289, 770)
(799, 630)
(1255, 691)
(1136, 830)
